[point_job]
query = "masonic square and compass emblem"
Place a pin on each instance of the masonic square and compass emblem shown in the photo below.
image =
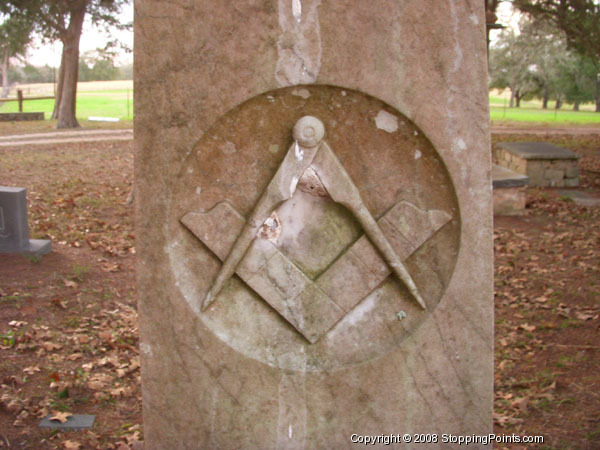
(349, 246)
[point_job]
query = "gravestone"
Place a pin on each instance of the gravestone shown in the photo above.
(14, 230)
(545, 164)
(510, 191)
(314, 222)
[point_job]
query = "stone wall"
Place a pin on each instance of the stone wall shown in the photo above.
(541, 172)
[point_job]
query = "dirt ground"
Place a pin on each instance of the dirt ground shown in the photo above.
(68, 323)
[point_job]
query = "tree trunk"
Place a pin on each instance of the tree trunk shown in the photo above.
(511, 103)
(576, 106)
(69, 67)
(518, 98)
(597, 93)
(58, 87)
(558, 103)
(5, 87)
(545, 99)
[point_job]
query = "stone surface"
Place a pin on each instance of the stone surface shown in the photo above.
(545, 164)
(510, 201)
(510, 191)
(14, 230)
(581, 198)
(17, 117)
(537, 150)
(286, 352)
(74, 422)
(504, 178)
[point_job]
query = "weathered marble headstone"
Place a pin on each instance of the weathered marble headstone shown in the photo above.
(314, 221)
(14, 229)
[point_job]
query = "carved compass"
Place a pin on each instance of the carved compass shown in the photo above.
(315, 227)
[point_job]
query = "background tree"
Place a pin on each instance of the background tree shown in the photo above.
(580, 21)
(510, 66)
(545, 50)
(577, 80)
(63, 20)
(15, 36)
(97, 65)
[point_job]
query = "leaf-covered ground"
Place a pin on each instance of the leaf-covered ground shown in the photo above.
(68, 333)
(68, 322)
(547, 296)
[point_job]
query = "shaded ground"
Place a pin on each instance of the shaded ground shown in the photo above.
(57, 137)
(45, 126)
(68, 324)
(68, 333)
(547, 289)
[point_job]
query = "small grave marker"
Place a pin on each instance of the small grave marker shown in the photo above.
(73, 422)
(14, 231)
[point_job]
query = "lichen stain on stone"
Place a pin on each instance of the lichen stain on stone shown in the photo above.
(304, 93)
(228, 148)
(360, 313)
(299, 45)
(386, 121)
(459, 145)
(271, 229)
(314, 231)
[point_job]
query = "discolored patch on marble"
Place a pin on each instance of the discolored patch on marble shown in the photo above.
(314, 290)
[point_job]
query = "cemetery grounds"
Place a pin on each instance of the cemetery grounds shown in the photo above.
(68, 321)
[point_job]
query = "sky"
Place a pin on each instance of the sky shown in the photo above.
(91, 38)
(508, 17)
(40, 55)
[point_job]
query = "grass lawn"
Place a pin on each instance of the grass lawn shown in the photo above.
(115, 99)
(109, 104)
(103, 99)
(531, 111)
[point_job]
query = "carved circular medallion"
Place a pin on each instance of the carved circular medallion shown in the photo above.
(313, 228)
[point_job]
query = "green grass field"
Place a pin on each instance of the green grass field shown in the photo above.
(103, 99)
(531, 111)
(115, 99)
(104, 104)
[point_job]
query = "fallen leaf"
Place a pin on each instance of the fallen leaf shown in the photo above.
(61, 417)
(49, 346)
(520, 404)
(584, 315)
(71, 445)
(111, 267)
(71, 284)
(31, 370)
(59, 302)
(502, 420)
(527, 327)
